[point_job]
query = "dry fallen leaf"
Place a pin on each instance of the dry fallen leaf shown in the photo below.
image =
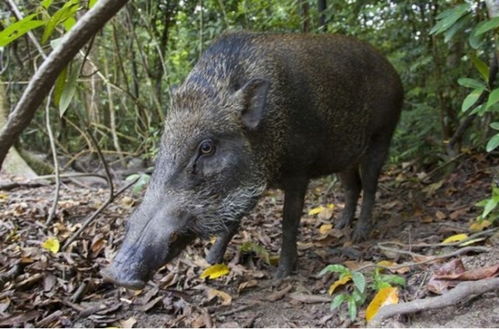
(129, 323)
(477, 226)
(215, 271)
(338, 283)
(385, 296)
(224, 297)
(325, 228)
(52, 245)
(246, 285)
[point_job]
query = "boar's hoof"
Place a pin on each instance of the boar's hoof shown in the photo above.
(283, 271)
(361, 233)
(215, 256)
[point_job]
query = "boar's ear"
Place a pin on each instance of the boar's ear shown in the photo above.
(252, 97)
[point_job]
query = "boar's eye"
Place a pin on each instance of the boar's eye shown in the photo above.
(207, 147)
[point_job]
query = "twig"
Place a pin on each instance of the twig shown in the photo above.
(53, 209)
(97, 212)
(462, 291)
(428, 259)
(109, 179)
(441, 244)
(12, 185)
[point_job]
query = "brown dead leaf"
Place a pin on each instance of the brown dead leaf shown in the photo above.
(223, 296)
(279, 294)
(472, 275)
(458, 213)
(128, 323)
(246, 285)
(440, 215)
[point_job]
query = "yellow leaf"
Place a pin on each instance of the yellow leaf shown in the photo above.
(315, 211)
(385, 296)
(52, 245)
(456, 238)
(338, 283)
(215, 271)
(386, 263)
(325, 228)
(225, 297)
(330, 206)
(3, 196)
(479, 225)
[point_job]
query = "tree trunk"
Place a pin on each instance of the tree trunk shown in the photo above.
(321, 7)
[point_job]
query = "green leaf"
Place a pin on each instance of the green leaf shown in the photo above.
(18, 29)
(92, 3)
(352, 308)
(493, 97)
(59, 85)
(60, 16)
(492, 144)
(448, 18)
(46, 3)
(495, 125)
(487, 26)
(471, 83)
(480, 66)
(381, 284)
(359, 280)
(471, 99)
(392, 278)
(338, 300)
(489, 206)
(68, 91)
(458, 26)
(335, 268)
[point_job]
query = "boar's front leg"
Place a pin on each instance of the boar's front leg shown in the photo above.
(294, 195)
(217, 251)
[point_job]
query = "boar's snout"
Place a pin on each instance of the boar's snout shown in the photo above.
(150, 242)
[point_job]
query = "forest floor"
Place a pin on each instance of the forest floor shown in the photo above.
(45, 289)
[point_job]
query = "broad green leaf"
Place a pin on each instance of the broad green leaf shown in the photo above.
(352, 308)
(68, 90)
(470, 100)
(336, 268)
(392, 278)
(492, 144)
(338, 300)
(215, 271)
(480, 66)
(487, 26)
(359, 280)
(458, 26)
(92, 3)
(67, 11)
(471, 83)
(59, 86)
(493, 97)
(52, 245)
(19, 28)
(448, 18)
(495, 125)
(46, 3)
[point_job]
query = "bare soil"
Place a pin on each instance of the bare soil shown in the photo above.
(65, 289)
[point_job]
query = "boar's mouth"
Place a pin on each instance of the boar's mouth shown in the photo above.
(141, 255)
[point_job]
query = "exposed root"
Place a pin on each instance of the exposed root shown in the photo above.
(461, 292)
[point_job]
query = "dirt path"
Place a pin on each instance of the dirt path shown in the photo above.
(65, 289)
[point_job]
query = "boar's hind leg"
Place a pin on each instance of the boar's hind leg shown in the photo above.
(294, 195)
(350, 179)
(370, 167)
(217, 251)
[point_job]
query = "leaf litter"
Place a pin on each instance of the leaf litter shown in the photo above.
(47, 288)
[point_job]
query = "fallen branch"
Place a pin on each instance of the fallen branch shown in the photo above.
(454, 296)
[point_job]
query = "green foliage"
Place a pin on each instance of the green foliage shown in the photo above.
(141, 184)
(490, 206)
(19, 28)
(358, 293)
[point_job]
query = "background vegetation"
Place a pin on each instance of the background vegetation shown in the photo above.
(119, 84)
